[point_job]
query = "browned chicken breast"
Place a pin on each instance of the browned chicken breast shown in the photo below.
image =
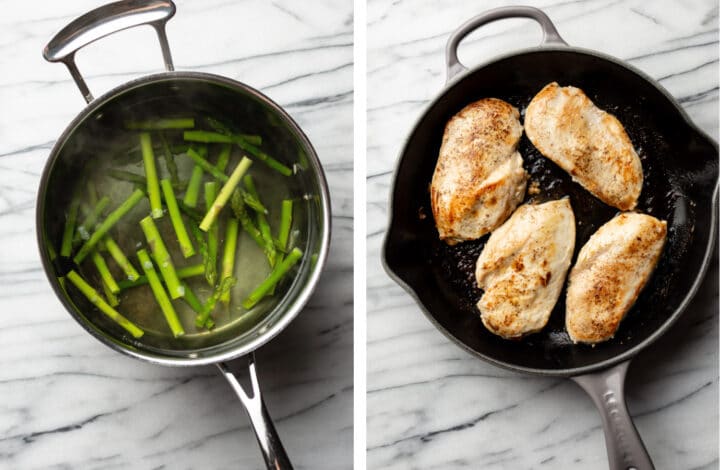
(590, 144)
(479, 178)
(523, 266)
(611, 270)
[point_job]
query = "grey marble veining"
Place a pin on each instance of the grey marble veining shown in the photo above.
(67, 400)
(430, 404)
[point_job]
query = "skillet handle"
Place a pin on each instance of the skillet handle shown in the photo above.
(106, 20)
(625, 449)
(272, 449)
(550, 34)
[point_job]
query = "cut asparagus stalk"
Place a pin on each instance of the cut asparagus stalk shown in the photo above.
(160, 295)
(153, 187)
(107, 224)
(263, 225)
(161, 124)
(191, 299)
(225, 193)
(223, 158)
(212, 235)
(92, 217)
(283, 232)
(186, 245)
(193, 190)
(70, 221)
(112, 300)
(228, 260)
(162, 257)
(203, 318)
(182, 273)
(128, 176)
(121, 260)
(104, 271)
(274, 277)
(96, 300)
(265, 158)
(169, 161)
(217, 138)
(206, 165)
(238, 207)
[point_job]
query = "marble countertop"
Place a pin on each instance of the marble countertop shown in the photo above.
(430, 404)
(70, 402)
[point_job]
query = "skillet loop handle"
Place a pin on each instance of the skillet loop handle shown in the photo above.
(106, 20)
(625, 449)
(268, 439)
(550, 34)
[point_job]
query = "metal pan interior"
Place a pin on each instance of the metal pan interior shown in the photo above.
(680, 170)
(97, 141)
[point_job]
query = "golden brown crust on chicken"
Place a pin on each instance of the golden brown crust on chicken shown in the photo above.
(522, 268)
(611, 270)
(479, 178)
(590, 144)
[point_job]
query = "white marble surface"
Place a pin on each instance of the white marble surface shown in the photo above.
(433, 406)
(68, 401)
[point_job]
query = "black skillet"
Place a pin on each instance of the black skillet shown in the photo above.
(680, 165)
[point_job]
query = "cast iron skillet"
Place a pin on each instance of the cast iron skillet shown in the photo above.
(681, 172)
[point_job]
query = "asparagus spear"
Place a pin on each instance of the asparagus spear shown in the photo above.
(183, 239)
(122, 260)
(209, 268)
(191, 299)
(212, 235)
(182, 273)
(225, 193)
(162, 257)
(228, 260)
(263, 225)
(160, 295)
(92, 217)
(226, 284)
(129, 177)
(170, 161)
(161, 124)
(95, 298)
(70, 221)
(272, 279)
(193, 190)
(216, 138)
(238, 207)
(221, 128)
(265, 158)
(104, 271)
(153, 187)
(283, 233)
(112, 300)
(107, 224)
(206, 165)
(223, 158)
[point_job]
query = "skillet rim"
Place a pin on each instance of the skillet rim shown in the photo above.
(628, 353)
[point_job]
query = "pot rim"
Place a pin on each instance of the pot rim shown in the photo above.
(292, 310)
(625, 355)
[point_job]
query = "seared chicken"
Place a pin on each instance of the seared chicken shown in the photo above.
(611, 270)
(479, 178)
(590, 144)
(523, 266)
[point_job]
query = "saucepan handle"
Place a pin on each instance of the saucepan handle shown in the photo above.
(550, 34)
(272, 449)
(625, 449)
(106, 20)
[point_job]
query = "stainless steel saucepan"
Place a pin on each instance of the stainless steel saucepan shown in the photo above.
(211, 95)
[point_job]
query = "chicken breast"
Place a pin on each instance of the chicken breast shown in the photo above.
(611, 270)
(523, 266)
(590, 144)
(479, 178)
